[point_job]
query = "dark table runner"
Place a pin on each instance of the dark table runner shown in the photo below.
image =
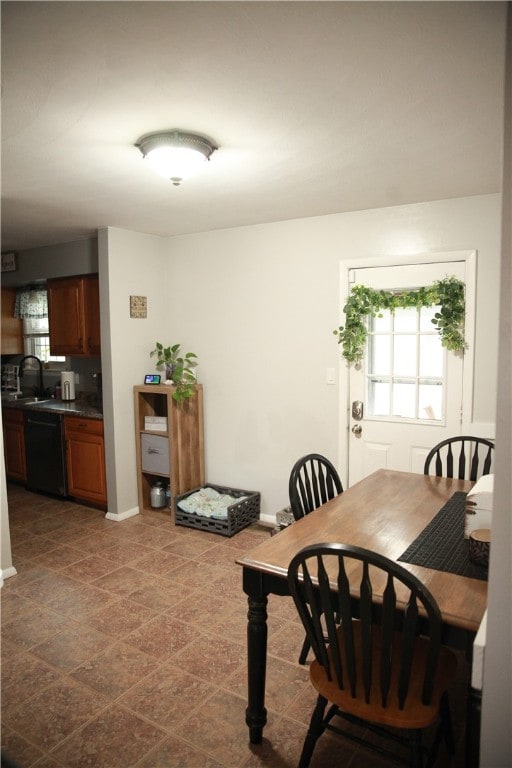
(442, 546)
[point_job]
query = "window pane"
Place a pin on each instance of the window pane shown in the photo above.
(406, 320)
(431, 401)
(381, 324)
(406, 366)
(380, 355)
(431, 356)
(404, 400)
(404, 363)
(378, 398)
(426, 316)
(36, 341)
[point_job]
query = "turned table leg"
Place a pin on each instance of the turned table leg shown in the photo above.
(256, 714)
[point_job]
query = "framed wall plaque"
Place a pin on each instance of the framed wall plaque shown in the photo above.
(9, 262)
(138, 306)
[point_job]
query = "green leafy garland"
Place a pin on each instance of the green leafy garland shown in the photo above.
(364, 301)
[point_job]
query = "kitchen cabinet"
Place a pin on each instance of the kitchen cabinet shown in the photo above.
(74, 316)
(172, 450)
(14, 445)
(12, 328)
(85, 459)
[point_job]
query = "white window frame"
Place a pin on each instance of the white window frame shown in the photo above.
(33, 328)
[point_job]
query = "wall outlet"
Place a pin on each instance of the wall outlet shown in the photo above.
(330, 376)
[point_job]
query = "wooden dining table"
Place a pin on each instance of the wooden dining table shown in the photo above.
(385, 512)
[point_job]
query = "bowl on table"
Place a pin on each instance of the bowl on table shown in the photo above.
(480, 546)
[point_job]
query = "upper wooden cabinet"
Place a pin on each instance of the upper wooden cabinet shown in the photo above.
(12, 328)
(74, 316)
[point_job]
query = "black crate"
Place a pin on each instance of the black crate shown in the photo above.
(240, 514)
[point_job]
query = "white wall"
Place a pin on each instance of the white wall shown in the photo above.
(258, 305)
(496, 734)
(75, 258)
(130, 264)
(6, 567)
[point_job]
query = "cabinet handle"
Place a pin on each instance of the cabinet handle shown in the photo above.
(80, 344)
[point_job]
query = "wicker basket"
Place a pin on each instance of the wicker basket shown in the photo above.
(240, 514)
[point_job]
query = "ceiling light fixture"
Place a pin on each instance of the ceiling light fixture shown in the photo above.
(174, 154)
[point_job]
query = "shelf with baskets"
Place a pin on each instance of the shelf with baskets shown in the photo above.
(169, 441)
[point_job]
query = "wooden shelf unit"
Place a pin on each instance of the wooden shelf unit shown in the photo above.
(184, 439)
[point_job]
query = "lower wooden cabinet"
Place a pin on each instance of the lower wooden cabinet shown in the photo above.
(85, 459)
(14, 445)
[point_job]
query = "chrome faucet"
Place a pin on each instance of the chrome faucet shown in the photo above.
(22, 368)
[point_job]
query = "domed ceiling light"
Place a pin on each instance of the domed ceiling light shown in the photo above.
(175, 155)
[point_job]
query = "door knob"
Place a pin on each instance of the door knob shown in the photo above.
(357, 429)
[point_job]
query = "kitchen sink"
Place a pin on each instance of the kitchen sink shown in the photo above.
(28, 400)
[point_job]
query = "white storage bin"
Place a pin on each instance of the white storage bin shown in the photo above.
(156, 423)
(155, 454)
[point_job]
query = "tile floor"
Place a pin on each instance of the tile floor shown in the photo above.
(123, 645)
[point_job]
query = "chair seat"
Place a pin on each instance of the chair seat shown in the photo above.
(415, 714)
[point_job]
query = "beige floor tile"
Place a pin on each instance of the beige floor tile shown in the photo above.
(115, 670)
(168, 696)
(134, 654)
(115, 739)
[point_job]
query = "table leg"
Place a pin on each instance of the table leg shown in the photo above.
(256, 714)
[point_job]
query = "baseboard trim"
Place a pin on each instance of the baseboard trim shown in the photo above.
(267, 519)
(123, 515)
(6, 573)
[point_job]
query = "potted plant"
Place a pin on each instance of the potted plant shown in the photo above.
(179, 369)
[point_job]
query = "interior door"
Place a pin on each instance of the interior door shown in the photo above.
(406, 395)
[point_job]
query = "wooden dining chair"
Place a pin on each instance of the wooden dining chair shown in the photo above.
(379, 664)
(464, 457)
(313, 481)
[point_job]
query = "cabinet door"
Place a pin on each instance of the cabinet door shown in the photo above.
(66, 316)
(14, 446)
(12, 329)
(92, 315)
(85, 459)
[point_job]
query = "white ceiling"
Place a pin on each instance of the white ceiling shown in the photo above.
(317, 108)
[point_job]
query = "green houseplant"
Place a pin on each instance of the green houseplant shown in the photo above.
(363, 302)
(179, 368)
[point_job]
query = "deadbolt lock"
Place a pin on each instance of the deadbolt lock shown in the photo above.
(357, 410)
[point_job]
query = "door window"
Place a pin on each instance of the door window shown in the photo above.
(406, 366)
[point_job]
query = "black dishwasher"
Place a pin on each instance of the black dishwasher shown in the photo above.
(44, 450)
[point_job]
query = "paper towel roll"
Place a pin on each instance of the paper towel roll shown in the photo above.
(67, 383)
(479, 504)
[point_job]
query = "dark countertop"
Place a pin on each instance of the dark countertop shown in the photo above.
(83, 408)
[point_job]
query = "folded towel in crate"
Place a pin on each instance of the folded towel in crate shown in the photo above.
(207, 502)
